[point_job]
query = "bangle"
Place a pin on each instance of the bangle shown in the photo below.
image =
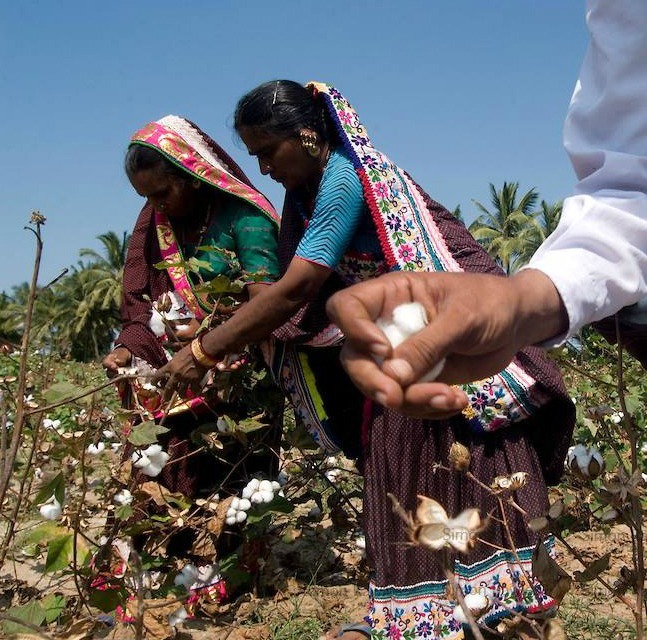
(200, 355)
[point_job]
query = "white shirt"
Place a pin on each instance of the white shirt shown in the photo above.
(597, 256)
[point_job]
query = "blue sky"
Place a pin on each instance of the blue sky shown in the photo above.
(460, 93)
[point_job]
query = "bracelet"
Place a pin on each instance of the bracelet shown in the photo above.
(200, 355)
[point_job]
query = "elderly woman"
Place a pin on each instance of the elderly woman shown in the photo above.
(203, 224)
(350, 214)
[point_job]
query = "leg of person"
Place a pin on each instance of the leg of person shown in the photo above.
(410, 593)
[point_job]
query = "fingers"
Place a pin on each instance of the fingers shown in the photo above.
(355, 312)
(369, 377)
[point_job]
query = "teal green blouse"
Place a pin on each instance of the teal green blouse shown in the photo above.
(242, 241)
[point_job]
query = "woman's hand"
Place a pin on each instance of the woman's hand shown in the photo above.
(180, 374)
(116, 359)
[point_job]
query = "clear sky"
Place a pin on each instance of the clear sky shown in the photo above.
(460, 93)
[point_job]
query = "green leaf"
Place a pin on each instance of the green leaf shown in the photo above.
(43, 533)
(54, 487)
(146, 433)
(107, 600)
(53, 606)
(59, 553)
(60, 391)
(31, 612)
(235, 576)
(123, 512)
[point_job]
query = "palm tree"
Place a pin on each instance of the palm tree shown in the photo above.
(97, 287)
(78, 314)
(546, 221)
(504, 231)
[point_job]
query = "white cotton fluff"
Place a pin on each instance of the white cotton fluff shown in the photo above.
(52, 509)
(156, 323)
(407, 320)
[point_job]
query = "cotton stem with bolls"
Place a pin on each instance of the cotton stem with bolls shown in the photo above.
(638, 541)
(9, 456)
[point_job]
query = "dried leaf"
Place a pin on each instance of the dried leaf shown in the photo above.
(554, 579)
(594, 569)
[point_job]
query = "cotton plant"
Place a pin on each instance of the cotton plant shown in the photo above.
(195, 580)
(478, 603)
(150, 461)
(255, 492)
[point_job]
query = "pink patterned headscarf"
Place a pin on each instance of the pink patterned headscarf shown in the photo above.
(184, 145)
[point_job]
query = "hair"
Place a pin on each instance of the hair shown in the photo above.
(282, 108)
(139, 157)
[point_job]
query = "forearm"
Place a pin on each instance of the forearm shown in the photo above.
(267, 310)
(539, 313)
(597, 257)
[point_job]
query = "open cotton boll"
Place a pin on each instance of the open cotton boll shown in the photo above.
(265, 485)
(407, 319)
(51, 510)
(156, 323)
(244, 504)
(95, 449)
(267, 496)
(241, 516)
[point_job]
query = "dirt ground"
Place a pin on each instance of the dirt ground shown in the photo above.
(334, 593)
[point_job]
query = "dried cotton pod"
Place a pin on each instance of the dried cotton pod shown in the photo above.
(459, 457)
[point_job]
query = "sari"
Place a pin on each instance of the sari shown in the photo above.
(518, 420)
(154, 242)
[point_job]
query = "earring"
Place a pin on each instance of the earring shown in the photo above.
(196, 183)
(310, 143)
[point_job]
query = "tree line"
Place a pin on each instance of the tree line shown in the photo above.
(77, 316)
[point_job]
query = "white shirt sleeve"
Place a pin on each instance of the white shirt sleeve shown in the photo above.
(597, 256)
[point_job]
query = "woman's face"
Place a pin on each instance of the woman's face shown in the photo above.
(173, 195)
(284, 159)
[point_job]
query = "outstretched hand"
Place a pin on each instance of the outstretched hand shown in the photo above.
(118, 358)
(477, 322)
(181, 374)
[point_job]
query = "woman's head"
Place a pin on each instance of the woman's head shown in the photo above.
(284, 125)
(166, 186)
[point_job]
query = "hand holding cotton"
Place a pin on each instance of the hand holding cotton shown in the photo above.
(407, 320)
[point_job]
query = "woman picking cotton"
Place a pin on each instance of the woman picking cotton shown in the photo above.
(204, 230)
(350, 215)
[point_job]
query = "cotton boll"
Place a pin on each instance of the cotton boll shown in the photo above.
(410, 318)
(407, 320)
(96, 449)
(231, 512)
(265, 485)
(393, 334)
(123, 497)
(230, 520)
(244, 504)
(267, 496)
(276, 486)
(234, 503)
(140, 460)
(257, 497)
(177, 617)
(247, 492)
(156, 323)
(51, 510)
(253, 484)
(241, 516)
